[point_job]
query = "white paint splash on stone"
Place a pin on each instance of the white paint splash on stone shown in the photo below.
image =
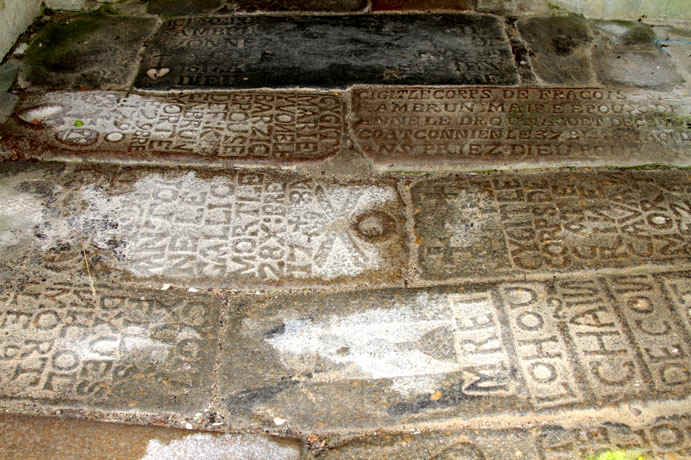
(209, 447)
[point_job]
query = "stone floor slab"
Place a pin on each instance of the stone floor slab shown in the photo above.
(24, 437)
(363, 360)
(478, 128)
(327, 51)
(94, 51)
(75, 344)
(422, 5)
(198, 228)
(209, 129)
(196, 7)
(666, 439)
(514, 224)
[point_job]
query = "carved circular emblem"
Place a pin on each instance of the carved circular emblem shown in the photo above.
(375, 226)
(461, 451)
(77, 137)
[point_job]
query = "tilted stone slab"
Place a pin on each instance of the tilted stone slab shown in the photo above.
(210, 129)
(232, 229)
(487, 226)
(477, 128)
(327, 51)
(107, 346)
(666, 439)
(374, 359)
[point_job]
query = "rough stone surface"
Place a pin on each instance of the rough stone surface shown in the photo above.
(481, 225)
(629, 9)
(478, 128)
(95, 50)
(560, 48)
(327, 51)
(15, 17)
(230, 229)
(424, 5)
(194, 7)
(73, 343)
(24, 437)
(215, 129)
(665, 439)
(384, 358)
(7, 105)
(626, 55)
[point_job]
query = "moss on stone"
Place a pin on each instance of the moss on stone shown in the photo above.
(618, 454)
(54, 46)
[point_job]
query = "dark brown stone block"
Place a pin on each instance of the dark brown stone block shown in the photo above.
(479, 128)
(497, 225)
(211, 129)
(560, 48)
(393, 5)
(372, 359)
(327, 51)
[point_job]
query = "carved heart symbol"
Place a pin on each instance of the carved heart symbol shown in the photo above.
(155, 74)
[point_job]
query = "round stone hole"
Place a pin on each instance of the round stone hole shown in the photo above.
(375, 226)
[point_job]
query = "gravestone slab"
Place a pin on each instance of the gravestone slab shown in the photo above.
(197, 7)
(363, 360)
(477, 128)
(211, 129)
(484, 226)
(667, 438)
(236, 229)
(107, 346)
(424, 5)
(326, 51)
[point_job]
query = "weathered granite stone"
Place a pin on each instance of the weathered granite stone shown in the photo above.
(235, 229)
(212, 129)
(560, 48)
(424, 5)
(327, 51)
(626, 55)
(364, 360)
(499, 225)
(95, 50)
(74, 343)
(666, 438)
(478, 128)
(196, 7)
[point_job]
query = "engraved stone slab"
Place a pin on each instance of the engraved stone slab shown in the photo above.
(327, 51)
(666, 439)
(216, 129)
(508, 224)
(121, 348)
(195, 7)
(384, 358)
(232, 229)
(421, 128)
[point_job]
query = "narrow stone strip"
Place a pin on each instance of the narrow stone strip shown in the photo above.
(478, 128)
(196, 228)
(479, 226)
(666, 439)
(327, 51)
(364, 360)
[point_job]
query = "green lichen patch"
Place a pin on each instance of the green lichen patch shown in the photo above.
(618, 454)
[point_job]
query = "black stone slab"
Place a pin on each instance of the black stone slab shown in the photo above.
(327, 51)
(194, 7)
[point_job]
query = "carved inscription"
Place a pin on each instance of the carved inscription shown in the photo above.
(477, 225)
(516, 346)
(327, 51)
(258, 126)
(429, 126)
(119, 348)
(246, 227)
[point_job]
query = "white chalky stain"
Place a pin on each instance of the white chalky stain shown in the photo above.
(208, 447)
(374, 344)
(348, 255)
